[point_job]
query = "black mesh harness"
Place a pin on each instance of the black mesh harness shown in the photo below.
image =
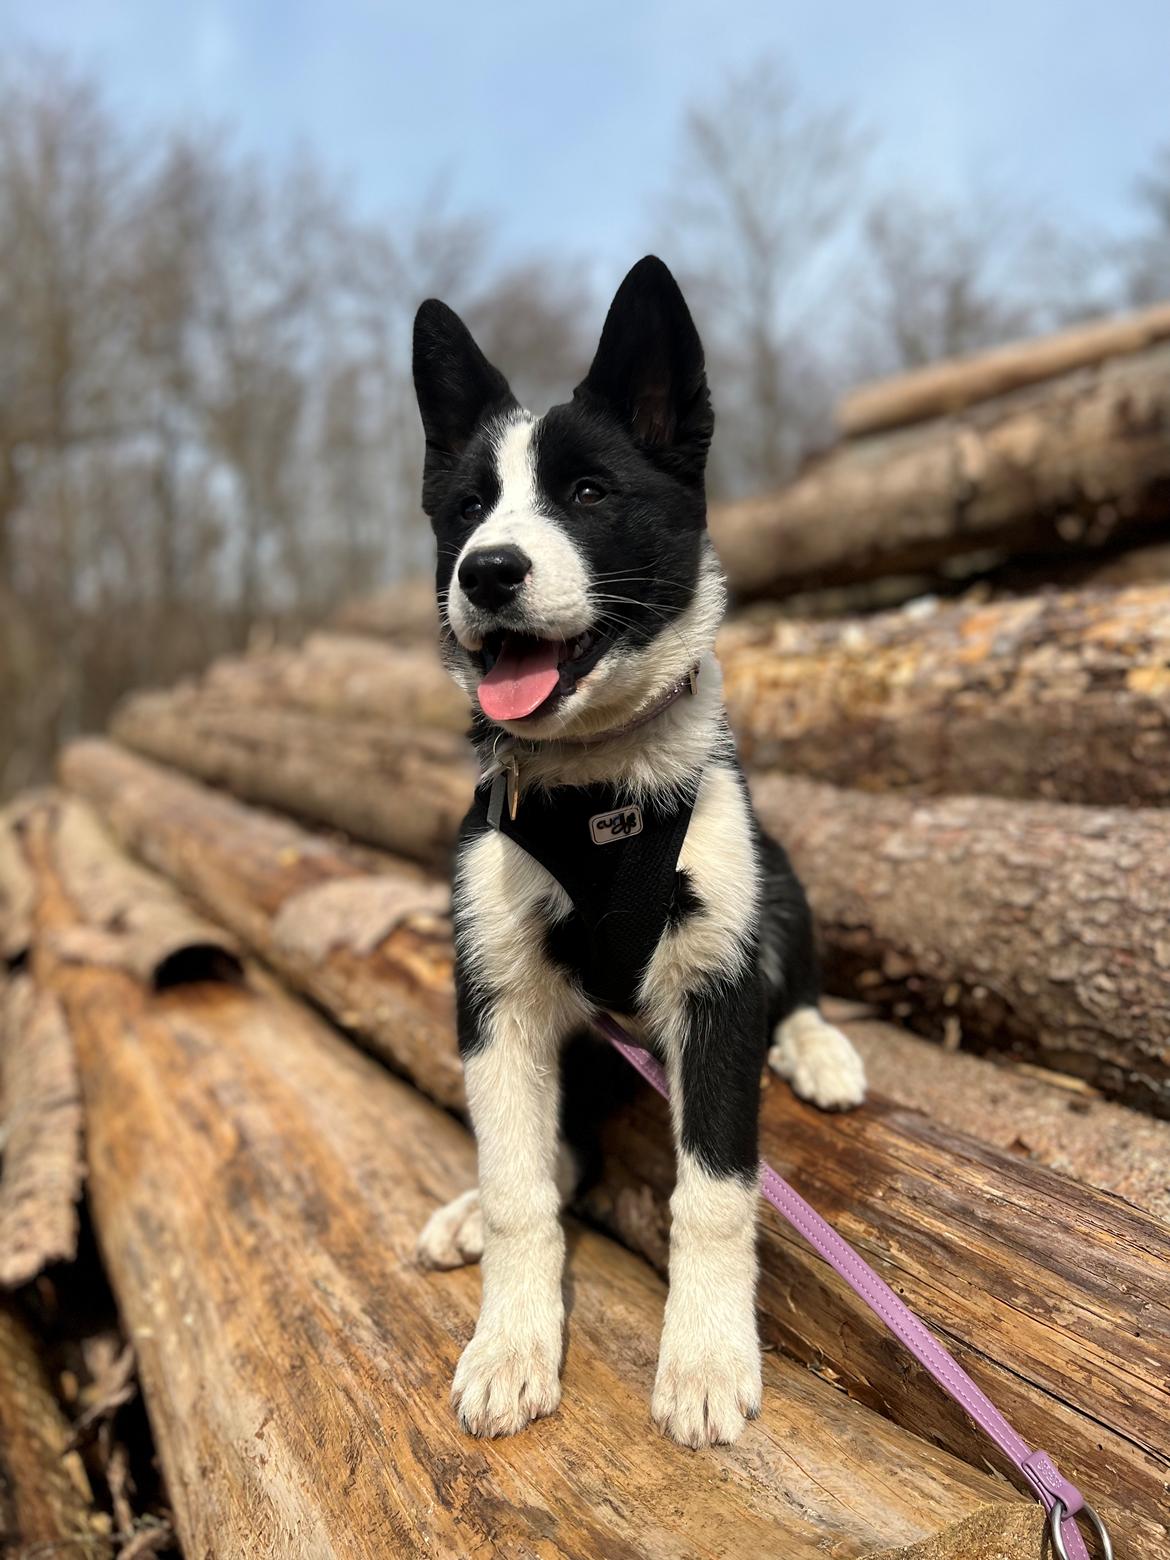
(616, 860)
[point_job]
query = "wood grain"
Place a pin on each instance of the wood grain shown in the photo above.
(1060, 468)
(257, 1189)
(1063, 697)
(1036, 926)
(1015, 1300)
(942, 388)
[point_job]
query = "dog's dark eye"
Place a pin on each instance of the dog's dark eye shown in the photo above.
(472, 507)
(588, 493)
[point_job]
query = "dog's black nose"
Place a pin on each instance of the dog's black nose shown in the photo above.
(491, 576)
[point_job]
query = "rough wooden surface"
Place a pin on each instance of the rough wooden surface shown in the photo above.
(1030, 1112)
(336, 930)
(1052, 1295)
(1061, 696)
(407, 790)
(1135, 566)
(257, 1189)
(46, 1504)
(41, 1150)
(15, 887)
(949, 386)
(404, 612)
(951, 1224)
(348, 675)
(1061, 467)
(1039, 926)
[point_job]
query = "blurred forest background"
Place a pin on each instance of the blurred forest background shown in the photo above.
(207, 430)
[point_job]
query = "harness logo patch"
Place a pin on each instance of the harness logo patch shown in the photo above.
(607, 828)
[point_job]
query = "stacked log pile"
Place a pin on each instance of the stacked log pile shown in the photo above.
(227, 947)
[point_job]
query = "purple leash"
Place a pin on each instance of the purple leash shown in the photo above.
(1062, 1500)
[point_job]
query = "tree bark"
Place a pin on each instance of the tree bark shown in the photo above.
(407, 790)
(1028, 1112)
(46, 1504)
(1065, 697)
(942, 389)
(41, 1132)
(1059, 468)
(1041, 927)
(257, 1190)
(345, 675)
(963, 1231)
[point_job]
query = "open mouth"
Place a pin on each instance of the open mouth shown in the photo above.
(525, 676)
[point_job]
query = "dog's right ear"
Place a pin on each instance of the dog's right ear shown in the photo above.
(456, 388)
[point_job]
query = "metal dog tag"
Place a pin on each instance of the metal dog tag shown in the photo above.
(496, 801)
(608, 828)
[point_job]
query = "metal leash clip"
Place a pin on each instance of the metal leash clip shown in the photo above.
(1056, 1517)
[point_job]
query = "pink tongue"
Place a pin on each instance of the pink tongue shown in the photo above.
(520, 681)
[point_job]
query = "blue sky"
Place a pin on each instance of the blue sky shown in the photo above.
(561, 120)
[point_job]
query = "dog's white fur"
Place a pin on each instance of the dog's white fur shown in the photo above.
(708, 1377)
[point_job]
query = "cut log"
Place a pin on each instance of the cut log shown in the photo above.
(347, 675)
(1059, 468)
(1136, 566)
(46, 1504)
(313, 909)
(257, 1190)
(1039, 926)
(1053, 1328)
(949, 386)
(1064, 697)
(40, 1135)
(402, 612)
(407, 790)
(1033, 925)
(1029, 1112)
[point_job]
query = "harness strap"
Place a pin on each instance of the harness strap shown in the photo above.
(1062, 1500)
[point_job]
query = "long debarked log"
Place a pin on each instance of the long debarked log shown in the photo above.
(347, 675)
(1064, 697)
(1058, 468)
(407, 790)
(1062, 1336)
(1038, 926)
(955, 383)
(257, 1190)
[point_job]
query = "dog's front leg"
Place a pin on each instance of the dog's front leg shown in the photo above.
(708, 1378)
(510, 1371)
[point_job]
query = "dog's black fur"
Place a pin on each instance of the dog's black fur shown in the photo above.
(537, 522)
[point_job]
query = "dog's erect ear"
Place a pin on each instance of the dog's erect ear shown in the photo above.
(455, 384)
(649, 370)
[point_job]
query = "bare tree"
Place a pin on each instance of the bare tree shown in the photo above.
(1147, 266)
(207, 425)
(939, 279)
(760, 205)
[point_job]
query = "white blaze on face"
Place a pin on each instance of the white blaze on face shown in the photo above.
(554, 602)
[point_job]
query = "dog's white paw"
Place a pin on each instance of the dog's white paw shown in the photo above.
(704, 1398)
(504, 1380)
(453, 1235)
(818, 1061)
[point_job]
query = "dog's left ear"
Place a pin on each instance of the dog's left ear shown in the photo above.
(649, 370)
(456, 388)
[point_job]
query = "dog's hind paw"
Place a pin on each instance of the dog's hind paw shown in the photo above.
(818, 1061)
(453, 1235)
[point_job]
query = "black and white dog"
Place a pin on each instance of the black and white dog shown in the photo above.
(612, 860)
